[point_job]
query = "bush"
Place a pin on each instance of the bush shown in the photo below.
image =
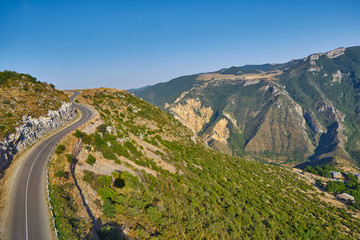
(90, 159)
(101, 128)
(154, 214)
(106, 193)
(69, 158)
(60, 149)
(120, 199)
(77, 133)
(108, 208)
(61, 174)
(88, 178)
(108, 153)
(105, 180)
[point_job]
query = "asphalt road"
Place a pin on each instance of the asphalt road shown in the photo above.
(29, 218)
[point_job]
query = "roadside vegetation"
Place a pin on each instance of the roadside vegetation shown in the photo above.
(145, 176)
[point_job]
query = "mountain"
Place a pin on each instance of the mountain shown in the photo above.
(29, 109)
(141, 174)
(304, 112)
(138, 89)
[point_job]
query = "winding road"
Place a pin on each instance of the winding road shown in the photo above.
(29, 218)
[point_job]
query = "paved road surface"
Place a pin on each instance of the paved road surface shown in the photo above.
(28, 213)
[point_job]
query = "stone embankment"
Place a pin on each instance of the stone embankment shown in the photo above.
(31, 130)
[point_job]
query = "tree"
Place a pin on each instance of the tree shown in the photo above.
(108, 208)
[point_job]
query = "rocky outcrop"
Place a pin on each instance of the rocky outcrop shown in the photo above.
(192, 113)
(220, 132)
(31, 130)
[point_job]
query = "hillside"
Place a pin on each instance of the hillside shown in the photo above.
(298, 113)
(21, 94)
(143, 175)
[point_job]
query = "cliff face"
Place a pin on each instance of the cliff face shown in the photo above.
(304, 109)
(31, 130)
(192, 114)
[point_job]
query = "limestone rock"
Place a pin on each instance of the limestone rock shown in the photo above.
(31, 130)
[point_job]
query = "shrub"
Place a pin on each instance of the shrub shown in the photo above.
(154, 214)
(106, 193)
(60, 149)
(108, 208)
(88, 178)
(77, 133)
(61, 174)
(108, 153)
(105, 180)
(101, 128)
(120, 199)
(69, 158)
(90, 159)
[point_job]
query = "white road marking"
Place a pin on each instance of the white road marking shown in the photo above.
(32, 165)
(27, 186)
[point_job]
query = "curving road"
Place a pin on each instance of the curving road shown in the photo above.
(29, 218)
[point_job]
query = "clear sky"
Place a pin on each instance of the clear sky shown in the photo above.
(129, 44)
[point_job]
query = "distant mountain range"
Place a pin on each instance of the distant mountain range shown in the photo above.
(138, 89)
(305, 111)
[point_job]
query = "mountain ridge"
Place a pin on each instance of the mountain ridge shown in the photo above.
(246, 96)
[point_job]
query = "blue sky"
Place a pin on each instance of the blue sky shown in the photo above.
(130, 44)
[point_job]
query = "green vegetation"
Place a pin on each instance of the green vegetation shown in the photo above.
(65, 209)
(61, 174)
(90, 159)
(351, 184)
(266, 113)
(6, 76)
(323, 171)
(60, 149)
(21, 94)
(209, 195)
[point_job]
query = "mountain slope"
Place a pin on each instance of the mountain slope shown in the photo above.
(143, 175)
(21, 94)
(29, 109)
(304, 109)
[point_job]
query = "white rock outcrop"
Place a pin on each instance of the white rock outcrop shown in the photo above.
(31, 130)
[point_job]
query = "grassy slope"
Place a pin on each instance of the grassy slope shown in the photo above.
(22, 94)
(209, 195)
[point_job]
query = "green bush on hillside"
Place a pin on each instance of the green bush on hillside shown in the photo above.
(60, 149)
(90, 159)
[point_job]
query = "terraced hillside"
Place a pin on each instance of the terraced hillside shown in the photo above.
(143, 175)
(303, 111)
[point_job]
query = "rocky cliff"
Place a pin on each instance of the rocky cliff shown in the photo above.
(31, 130)
(306, 109)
